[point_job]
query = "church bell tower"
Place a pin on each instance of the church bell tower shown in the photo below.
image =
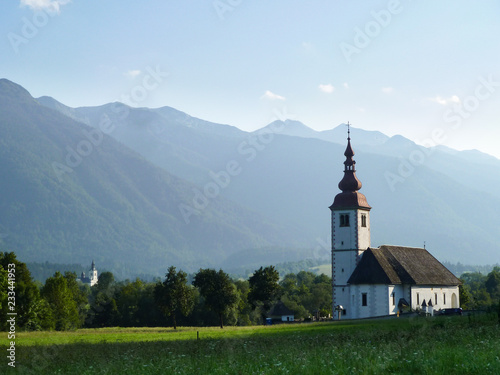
(93, 274)
(350, 231)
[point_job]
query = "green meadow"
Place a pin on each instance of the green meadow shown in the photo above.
(440, 345)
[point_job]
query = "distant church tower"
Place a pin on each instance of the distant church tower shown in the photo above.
(350, 231)
(92, 279)
(93, 274)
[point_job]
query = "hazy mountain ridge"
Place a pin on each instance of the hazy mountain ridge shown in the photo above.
(112, 205)
(290, 174)
(291, 180)
(336, 135)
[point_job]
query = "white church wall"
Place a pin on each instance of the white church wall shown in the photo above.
(363, 231)
(369, 300)
(355, 301)
(342, 297)
(353, 236)
(344, 236)
(344, 264)
(395, 293)
(442, 297)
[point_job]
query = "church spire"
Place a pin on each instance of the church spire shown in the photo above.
(349, 185)
(350, 182)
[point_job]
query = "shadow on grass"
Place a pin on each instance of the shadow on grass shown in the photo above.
(419, 345)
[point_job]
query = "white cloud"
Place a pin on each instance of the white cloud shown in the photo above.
(133, 73)
(445, 101)
(48, 5)
(327, 88)
(387, 90)
(346, 86)
(272, 96)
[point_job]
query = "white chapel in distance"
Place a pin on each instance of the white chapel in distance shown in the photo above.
(91, 280)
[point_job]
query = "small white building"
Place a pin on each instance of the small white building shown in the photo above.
(370, 282)
(281, 312)
(91, 280)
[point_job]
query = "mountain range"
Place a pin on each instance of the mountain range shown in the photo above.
(139, 189)
(73, 193)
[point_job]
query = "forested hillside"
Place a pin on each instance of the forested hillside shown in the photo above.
(70, 194)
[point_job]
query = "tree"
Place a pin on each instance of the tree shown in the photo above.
(62, 303)
(103, 309)
(80, 294)
(465, 295)
(299, 311)
(247, 314)
(218, 291)
(4, 291)
(43, 317)
(319, 299)
(128, 297)
(492, 283)
(27, 294)
(482, 299)
(148, 314)
(174, 296)
(289, 284)
(105, 281)
(264, 288)
(498, 312)
(306, 293)
(305, 279)
(475, 280)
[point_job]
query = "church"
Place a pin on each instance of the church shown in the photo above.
(91, 280)
(372, 282)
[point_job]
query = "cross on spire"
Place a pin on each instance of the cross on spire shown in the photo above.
(348, 131)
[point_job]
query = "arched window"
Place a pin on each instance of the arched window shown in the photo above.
(344, 220)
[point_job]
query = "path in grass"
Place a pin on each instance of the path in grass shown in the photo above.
(416, 346)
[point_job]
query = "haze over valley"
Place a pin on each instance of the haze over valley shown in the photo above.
(138, 189)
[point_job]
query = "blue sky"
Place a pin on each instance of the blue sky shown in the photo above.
(427, 70)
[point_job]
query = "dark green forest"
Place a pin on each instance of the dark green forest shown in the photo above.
(206, 298)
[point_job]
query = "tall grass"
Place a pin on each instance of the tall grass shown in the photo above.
(417, 346)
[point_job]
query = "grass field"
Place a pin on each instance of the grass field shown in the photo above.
(458, 345)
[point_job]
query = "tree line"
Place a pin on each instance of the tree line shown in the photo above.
(207, 298)
(211, 298)
(479, 291)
